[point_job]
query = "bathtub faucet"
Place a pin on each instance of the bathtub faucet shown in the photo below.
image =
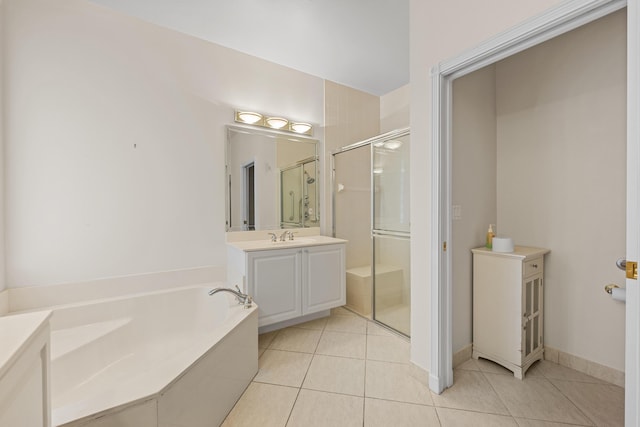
(243, 299)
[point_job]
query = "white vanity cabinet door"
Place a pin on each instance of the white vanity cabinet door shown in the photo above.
(324, 282)
(273, 281)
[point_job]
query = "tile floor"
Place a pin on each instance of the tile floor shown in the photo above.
(344, 370)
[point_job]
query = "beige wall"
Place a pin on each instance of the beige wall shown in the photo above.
(457, 26)
(83, 85)
(561, 178)
(394, 109)
(473, 186)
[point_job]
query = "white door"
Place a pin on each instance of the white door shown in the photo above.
(632, 342)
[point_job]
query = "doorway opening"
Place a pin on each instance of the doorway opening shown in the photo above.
(249, 197)
(531, 33)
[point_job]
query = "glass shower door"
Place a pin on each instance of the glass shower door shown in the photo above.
(391, 232)
(291, 197)
(352, 222)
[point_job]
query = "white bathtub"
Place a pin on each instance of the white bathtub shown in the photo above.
(171, 358)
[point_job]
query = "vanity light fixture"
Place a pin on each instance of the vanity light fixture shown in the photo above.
(276, 122)
(248, 117)
(393, 144)
(273, 122)
(300, 127)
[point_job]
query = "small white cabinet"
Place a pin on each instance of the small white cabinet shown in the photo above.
(508, 302)
(287, 283)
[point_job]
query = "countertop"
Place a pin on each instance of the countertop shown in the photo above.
(298, 242)
(521, 252)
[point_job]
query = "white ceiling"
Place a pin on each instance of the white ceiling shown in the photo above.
(363, 44)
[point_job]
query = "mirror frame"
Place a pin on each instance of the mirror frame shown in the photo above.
(272, 134)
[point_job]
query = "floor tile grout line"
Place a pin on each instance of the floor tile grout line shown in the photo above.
(572, 402)
(484, 374)
(404, 402)
(488, 412)
(484, 413)
(304, 378)
(333, 392)
(292, 407)
(322, 333)
(364, 385)
(547, 421)
(553, 385)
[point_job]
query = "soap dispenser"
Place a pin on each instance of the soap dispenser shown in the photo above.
(490, 236)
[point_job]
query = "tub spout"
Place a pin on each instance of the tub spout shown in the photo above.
(243, 299)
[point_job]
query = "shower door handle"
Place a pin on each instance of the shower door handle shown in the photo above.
(293, 205)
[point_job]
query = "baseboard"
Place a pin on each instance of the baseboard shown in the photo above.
(4, 302)
(293, 322)
(36, 297)
(585, 366)
(422, 375)
(461, 356)
(554, 355)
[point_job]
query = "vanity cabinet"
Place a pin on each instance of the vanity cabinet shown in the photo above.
(508, 307)
(287, 283)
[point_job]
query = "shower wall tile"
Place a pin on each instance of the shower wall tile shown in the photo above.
(350, 116)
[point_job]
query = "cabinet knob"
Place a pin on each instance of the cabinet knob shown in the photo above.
(534, 265)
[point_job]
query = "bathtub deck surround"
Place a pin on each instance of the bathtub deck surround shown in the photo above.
(126, 361)
(293, 280)
(28, 298)
(24, 370)
(347, 371)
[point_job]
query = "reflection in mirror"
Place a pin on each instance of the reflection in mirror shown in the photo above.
(272, 180)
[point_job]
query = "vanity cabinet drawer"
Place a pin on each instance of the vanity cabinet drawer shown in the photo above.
(532, 267)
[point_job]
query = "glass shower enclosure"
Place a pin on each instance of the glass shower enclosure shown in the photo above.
(298, 189)
(371, 211)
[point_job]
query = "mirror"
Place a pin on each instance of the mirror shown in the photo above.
(272, 180)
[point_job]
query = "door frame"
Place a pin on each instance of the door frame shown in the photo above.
(554, 22)
(248, 168)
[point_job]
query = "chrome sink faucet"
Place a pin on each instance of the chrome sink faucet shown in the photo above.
(273, 236)
(243, 299)
(284, 235)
